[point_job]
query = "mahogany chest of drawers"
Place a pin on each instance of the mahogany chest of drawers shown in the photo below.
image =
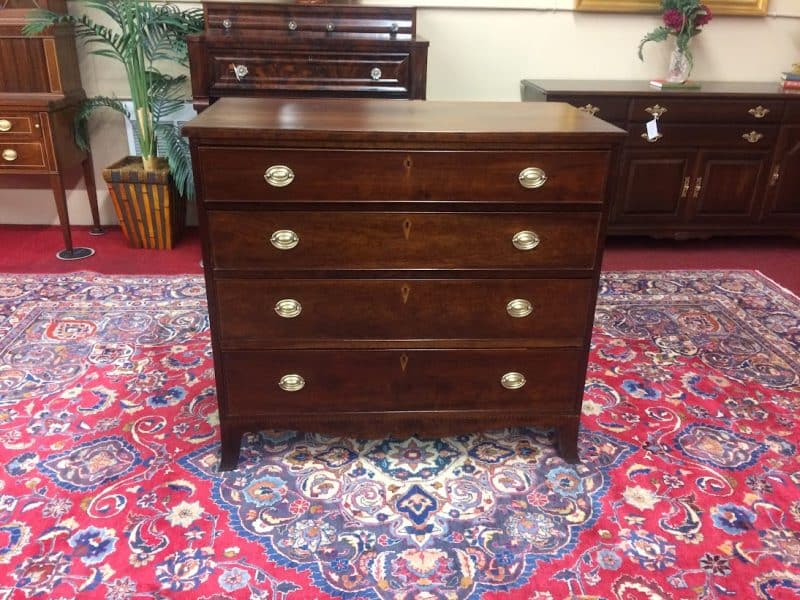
(382, 267)
(332, 50)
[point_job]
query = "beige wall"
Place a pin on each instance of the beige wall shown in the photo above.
(481, 54)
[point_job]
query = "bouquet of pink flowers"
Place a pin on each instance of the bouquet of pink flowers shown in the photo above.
(682, 18)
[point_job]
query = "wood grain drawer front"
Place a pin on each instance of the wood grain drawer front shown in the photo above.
(312, 70)
(683, 110)
(319, 175)
(608, 108)
(19, 155)
(353, 240)
(290, 311)
(399, 380)
(19, 126)
(739, 137)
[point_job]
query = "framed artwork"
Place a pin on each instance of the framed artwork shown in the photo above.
(720, 7)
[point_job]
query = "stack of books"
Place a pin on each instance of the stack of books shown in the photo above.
(790, 80)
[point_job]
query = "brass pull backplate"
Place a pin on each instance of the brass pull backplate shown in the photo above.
(279, 175)
(590, 108)
(532, 178)
(698, 187)
(752, 136)
(759, 112)
(284, 239)
(9, 155)
(686, 183)
(291, 382)
(656, 110)
(288, 308)
(653, 139)
(525, 240)
(5, 125)
(519, 308)
(512, 380)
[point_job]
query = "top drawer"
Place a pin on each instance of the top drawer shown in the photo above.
(240, 174)
(19, 126)
(608, 108)
(684, 110)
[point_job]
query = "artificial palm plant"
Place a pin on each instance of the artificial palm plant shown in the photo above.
(143, 35)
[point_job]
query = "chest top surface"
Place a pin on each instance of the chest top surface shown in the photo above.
(240, 120)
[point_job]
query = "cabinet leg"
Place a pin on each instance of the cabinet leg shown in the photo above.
(231, 439)
(567, 439)
(91, 191)
(69, 252)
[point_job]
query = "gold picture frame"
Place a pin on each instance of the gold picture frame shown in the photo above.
(753, 8)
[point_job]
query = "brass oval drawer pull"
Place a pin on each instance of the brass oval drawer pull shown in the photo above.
(5, 125)
(284, 239)
(590, 108)
(288, 308)
(652, 140)
(227, 24)
(279, 176)
(375, 74)
(656, 110)
(759, 112)
(512, 380)
(9, 155)
(752, 137)
(532, 178)
(525, 240)
(291, 382)
(240, 71)
(519, 308)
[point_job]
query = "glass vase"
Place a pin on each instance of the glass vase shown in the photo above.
(679, 66)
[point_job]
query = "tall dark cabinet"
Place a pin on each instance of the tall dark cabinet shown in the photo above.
(40, 91)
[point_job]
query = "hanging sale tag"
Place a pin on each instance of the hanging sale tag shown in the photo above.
(652, 129)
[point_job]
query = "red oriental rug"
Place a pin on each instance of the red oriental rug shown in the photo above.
(689, 486)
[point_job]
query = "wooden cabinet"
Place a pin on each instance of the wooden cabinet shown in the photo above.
(40, 91)
(341, 50)
(720, 164)
(385, 267)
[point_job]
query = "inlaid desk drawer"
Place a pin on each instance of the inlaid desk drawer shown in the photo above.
(314, 381)
(19, 126)
(694, 110)
(310, 70)
(292, 311)
(231, 175)
(20, 155)
(742, 137)
(353, 240)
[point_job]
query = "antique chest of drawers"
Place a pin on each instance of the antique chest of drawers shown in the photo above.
(294, 49)
(382, 267)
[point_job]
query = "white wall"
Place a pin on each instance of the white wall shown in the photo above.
(481, 54)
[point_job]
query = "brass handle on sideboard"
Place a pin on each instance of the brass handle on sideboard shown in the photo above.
(240, 71)
(656, 110)
(525, 240)
(532, 178)
(519, 308)
(776, 175)
(5, 125)
(279, 176)
(284, 239)
(291, 382)
(698, 187)
(512, 380)
(752, 136)
(375, 74)
(685, 189)
(590, 108)
(759, 112)
(9, 155)
(652, 140)
(288, 308)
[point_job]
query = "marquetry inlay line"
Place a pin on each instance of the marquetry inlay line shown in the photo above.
(53, 74)
(407, 228)
(405, 291)
(403, 361)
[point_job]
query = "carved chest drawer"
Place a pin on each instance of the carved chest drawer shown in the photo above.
(382, 267)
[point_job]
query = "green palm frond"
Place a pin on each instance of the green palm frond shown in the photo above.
(178, 157)
(86, 108)
(659, 34)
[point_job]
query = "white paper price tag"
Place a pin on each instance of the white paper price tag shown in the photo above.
(652, 129)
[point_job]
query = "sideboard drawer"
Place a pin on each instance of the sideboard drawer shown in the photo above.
(286, 312)
(19, 155)
(694, 110)
(353, 240)
(740, 137)
(329, 176)
(344, 381)
(19, 126)
(607, 108)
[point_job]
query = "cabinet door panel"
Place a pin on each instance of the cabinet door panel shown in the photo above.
(783, 191)
(728, 186)
(653, 187)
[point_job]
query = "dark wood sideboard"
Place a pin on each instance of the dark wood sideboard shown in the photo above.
(384, 267)
(330, 49)
(40, 91)
(726, 162)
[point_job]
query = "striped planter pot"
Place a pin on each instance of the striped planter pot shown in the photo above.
(151, 213)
